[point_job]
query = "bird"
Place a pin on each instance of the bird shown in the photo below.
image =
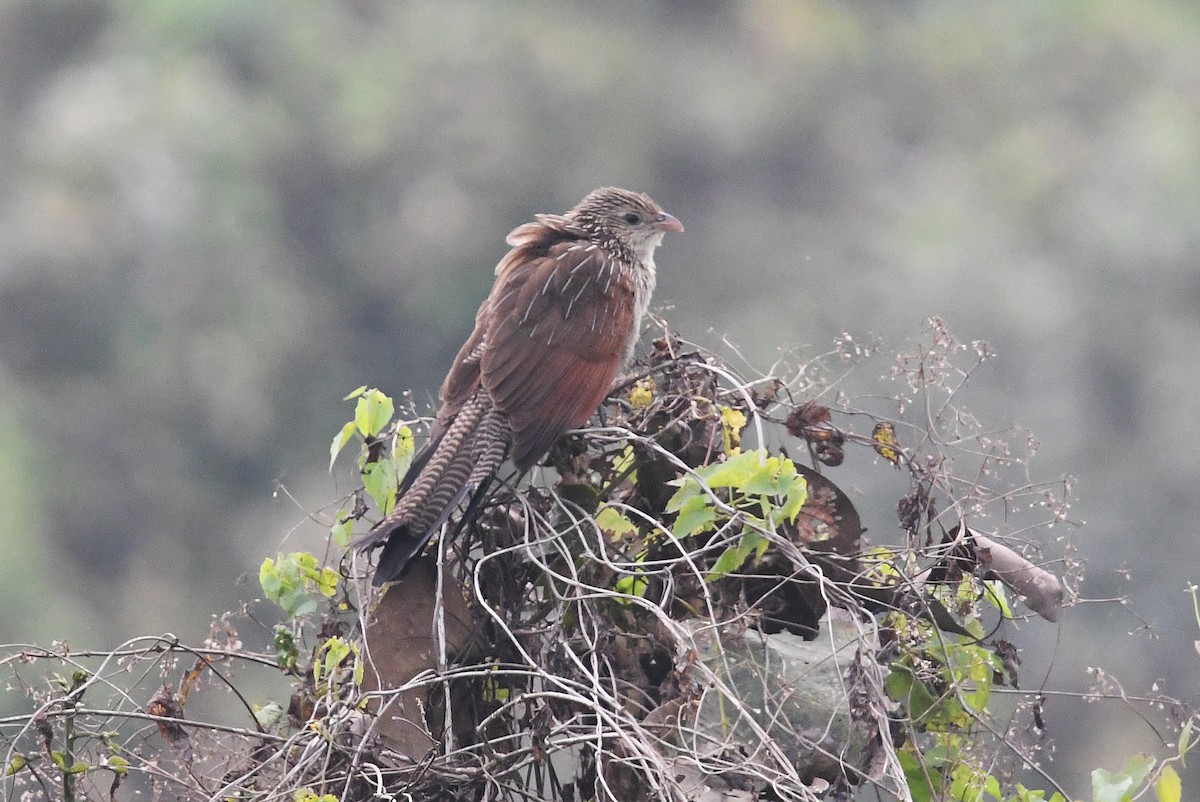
(561, 321)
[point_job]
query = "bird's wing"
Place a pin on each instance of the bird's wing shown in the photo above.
(558, 325)
(529, 242)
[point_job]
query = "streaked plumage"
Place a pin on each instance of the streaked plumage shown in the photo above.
(559, 323)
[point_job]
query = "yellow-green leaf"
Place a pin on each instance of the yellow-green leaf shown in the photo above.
(1169, 788)
(269, 578)
(268, 715)
(372, 412)
(734, 471)
(1185, 737)
(633, 584)
(327, 584)
(642, 394)
(614, 524)
(732, 423)
(624, 462)
(763, 481)
(735, 556)
(402, 449)
(695, 515)
(379, 479)
(998, 595)
(342, 531)
(797, 494)
(339, 442)
(689, 488)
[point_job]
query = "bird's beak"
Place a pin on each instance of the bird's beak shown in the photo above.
(667, 222)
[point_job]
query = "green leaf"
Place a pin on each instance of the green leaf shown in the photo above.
(614, 524)
(1185, 738)
(305, 562)
(1168, 788)
(1110, 787)
(794, 497)
(998, 596)
(356, 393)
(269, 579)
(937, 755)
(968, 783)
(1120, 786)
(902, 686)
(372, 412)
(730, 560)
(735, 556)
(342, 532)
(16, 764)
(339, 442)
(733, 472)
(290, 581)
(1139, 767)
(117, 765)
(379, 479)
(327, 584)
(732, 423)
(298, 604)
(689, 488)
(1032, 795)
(921, 779)
(897, 684)
(286, 653)
(336, 650)
(764, 480)
(624, 461)
(633, 584)
(268, 715)
(403, 448)
(695, 515)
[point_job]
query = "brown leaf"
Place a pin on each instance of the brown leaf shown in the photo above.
(165, 705)
(812, 422)
(828, 520)
(42, 725)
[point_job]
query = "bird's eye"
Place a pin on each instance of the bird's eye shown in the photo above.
(632, 218)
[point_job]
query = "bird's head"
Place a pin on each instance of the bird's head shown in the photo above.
(632, 219)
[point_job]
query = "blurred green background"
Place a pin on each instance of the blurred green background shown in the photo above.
(220, 217)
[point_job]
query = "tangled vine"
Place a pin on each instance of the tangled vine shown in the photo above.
(680, 604)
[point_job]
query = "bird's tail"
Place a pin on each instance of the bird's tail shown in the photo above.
(457, 465)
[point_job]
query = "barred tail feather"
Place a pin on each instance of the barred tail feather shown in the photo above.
(460, 464)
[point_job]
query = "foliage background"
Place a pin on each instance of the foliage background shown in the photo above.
(219, 217)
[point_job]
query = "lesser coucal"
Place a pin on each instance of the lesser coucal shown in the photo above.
(560, 322)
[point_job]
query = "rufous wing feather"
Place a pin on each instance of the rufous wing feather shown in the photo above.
(560, 323)
(548, 342)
